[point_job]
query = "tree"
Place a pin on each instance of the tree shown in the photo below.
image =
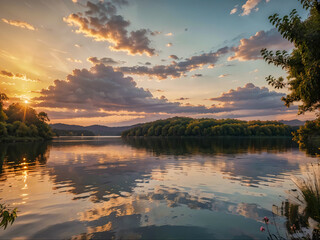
(303, 64)
(3, 116)
(42, 116)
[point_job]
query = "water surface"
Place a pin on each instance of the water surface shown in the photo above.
(147, 188)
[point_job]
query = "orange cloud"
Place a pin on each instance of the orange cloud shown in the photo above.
(20, 24)
(19, 76)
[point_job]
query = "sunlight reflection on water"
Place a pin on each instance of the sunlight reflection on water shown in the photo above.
(146, 188)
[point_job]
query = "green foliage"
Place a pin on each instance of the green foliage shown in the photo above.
(3, 129)
(3, 116)
(22, 122)
(6, 216)
(303, 63)
(181, 126)
(306, 133)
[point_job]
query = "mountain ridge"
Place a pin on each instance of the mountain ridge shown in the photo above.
(96, 129)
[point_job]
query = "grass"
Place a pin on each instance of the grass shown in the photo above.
(310, 191)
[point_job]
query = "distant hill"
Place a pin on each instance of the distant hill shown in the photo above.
(294, 122)
(96, 129)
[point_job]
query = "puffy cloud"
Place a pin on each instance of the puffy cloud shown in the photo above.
(103, 89)
(250, 97)
(105, 61)
(177, 69)
(249, 48)
(169, 44)
(102, 23)
(18, 76)
(249, 6)
(169, 34)
(20, 24)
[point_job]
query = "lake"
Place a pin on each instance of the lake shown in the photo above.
(148, 188)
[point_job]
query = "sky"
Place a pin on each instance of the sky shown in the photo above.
(122, 62)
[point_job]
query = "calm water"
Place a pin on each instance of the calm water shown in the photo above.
(91, 188)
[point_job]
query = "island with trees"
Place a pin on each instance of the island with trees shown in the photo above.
(184, 126)
(22, 123)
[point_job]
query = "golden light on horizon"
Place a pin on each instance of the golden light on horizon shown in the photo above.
(26, 101)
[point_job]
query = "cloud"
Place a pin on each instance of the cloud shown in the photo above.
(169, 44)
(249, 48)
(103, 89)
(234, 10)
(249, 6)
(182, 99)
(6, 73)
(102, 23)
(75, 114)
(154, 33)
(250, 97)
(74, 60)
(20, 24)
(223, 75)
(177, 69)
(196, 75)
(169, 34)
(105, 61)
(8, 83)
(175, 57)
(18, 76)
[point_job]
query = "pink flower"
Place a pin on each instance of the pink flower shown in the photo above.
(266, 220)
(262, 229)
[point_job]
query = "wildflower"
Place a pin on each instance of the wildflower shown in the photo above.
(266, 220)
(262, 229)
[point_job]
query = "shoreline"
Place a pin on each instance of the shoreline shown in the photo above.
(12, 139)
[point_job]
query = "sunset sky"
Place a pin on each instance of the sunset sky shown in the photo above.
(122, 62)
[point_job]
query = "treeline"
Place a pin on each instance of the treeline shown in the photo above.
(60, 132)
(22, 122)
(183, 126)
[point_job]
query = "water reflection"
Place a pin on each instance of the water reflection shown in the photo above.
(146, 188)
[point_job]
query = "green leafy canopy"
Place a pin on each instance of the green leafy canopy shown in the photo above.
(303, 63)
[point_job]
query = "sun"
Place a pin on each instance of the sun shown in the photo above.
(26, 101)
